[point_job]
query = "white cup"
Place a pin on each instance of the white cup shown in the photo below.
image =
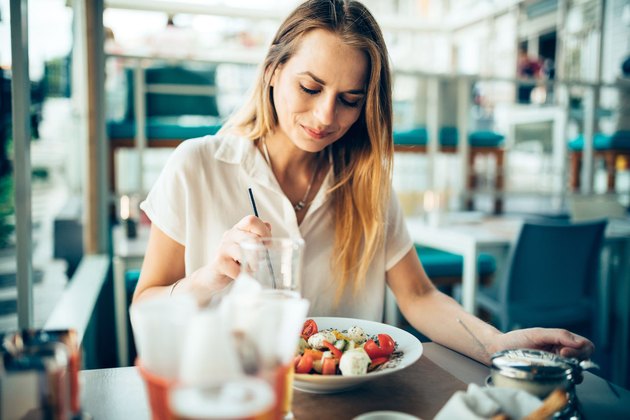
(159, 328)
(209, 353)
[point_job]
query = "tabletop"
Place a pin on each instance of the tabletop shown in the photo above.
(421, 389)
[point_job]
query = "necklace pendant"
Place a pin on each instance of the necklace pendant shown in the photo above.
(299, 206)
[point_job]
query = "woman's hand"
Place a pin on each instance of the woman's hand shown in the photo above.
(554, 340)
(225, 266)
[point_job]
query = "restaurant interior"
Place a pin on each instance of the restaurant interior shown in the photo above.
(526, 222)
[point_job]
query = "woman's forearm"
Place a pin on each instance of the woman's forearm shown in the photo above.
(444, 321)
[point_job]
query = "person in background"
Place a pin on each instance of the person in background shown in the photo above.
(314, 142)
(528, 69)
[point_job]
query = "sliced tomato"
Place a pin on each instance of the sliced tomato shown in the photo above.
(334, 350)
(377, 362)
(304, 364)
(309, 328)
(329, 366)
(315, 354)
(384, 348)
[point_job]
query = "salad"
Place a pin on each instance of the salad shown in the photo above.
(349, 352)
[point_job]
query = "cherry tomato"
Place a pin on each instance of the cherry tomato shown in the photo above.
(329, 366)
(334, 350)
(386, 343)
(304, 364)
(384, 348)
(309, 328)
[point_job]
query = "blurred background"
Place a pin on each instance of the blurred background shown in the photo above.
(540, 90)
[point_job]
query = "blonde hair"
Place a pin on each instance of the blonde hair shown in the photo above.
(362, 158)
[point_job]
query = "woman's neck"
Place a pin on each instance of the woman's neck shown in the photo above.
(299, 173)
(286, 159)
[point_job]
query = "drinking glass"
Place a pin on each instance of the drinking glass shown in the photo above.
(275, 263)
(266, 326)
(237, 398)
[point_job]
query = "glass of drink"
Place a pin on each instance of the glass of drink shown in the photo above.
(275, 263)
(266, 327)
(239, 398)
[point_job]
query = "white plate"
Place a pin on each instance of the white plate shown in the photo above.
(409, 345)
(386, 415)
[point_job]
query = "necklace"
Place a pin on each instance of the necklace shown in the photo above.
(302, 203)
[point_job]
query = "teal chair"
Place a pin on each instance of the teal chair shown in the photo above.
(551, 280)
(445, 269)
(608, 147)
(170, 118)
(482, 142)
(412, 140)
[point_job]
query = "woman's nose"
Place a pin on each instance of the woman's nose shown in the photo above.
(325, 110)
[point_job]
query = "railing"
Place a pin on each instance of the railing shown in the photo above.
(557, 113)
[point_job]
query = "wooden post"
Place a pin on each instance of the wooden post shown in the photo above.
(96, 236)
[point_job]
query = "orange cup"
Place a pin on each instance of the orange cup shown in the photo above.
(244, 398)
(283, 387)
(157, 391)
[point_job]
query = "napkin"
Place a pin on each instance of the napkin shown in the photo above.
(159, 328)
(484, 402)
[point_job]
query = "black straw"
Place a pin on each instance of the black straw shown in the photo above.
(253, 202)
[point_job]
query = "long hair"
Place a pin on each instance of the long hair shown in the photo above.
(362, 158)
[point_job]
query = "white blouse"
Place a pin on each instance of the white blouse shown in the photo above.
(202, 192)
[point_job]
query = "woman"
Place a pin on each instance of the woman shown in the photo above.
(315, 144)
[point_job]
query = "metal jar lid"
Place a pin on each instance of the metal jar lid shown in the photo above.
(534, 365)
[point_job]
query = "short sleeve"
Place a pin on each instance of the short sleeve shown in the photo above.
(397, 239)
(167, 200)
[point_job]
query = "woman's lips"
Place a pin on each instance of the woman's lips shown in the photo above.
(316, 134)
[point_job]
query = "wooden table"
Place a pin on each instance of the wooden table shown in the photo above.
(421, 389)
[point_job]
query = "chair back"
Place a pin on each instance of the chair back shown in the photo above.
(168, 105)
(552, 274)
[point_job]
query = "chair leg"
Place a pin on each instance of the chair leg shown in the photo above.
(471, 181)
(576, 163)
(498, 182)
(610, 158)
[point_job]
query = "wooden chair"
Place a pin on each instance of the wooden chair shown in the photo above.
(481, 143)
(609, 148)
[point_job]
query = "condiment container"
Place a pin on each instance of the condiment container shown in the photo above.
(51, 358)
(535, 371)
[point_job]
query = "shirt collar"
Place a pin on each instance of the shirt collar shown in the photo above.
(234, 149)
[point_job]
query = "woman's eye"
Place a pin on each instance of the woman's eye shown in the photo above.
(309, 91)
(351, 104)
